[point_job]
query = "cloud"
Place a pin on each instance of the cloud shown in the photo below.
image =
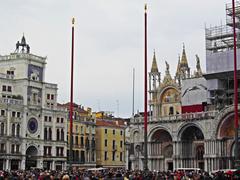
(108, 43)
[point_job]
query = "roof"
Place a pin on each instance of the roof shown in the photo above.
(110, 123)
(78, 108)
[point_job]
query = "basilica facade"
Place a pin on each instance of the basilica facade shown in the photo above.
(186, 129)
(32, 126)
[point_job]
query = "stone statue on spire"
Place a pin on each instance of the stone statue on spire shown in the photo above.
(167, 66)
(198, 72)
(167, 78)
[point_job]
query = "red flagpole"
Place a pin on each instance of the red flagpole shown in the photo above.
(71, 99)
(235, 85)
(145, 94)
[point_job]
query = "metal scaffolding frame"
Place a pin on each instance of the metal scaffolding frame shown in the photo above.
(220, 38)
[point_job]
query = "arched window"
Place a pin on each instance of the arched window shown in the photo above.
(76, 140)
(171, 110)
(62, 135)
(82, 141)
(18, 130)
(77, 155)
(93, 143)
(2, 128)
(45, 133)
(58, 135)
(13, 129)
(50, 133)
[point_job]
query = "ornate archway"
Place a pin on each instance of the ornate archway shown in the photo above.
(31, 157)
(170, 101)
(226, 139)
(161, 150)
(192, 146)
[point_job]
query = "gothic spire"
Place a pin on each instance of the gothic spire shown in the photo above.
(154, 68)
(184, 62)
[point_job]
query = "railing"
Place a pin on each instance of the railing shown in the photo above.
(22, 56)
(11, 101)
(181, 117)
(51, 85)
(6, 76)
(152, 101)
(60, 155)
(16, 119)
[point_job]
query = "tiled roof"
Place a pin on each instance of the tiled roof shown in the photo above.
(110, 123)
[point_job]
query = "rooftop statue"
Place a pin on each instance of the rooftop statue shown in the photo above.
(198, 73)
(24, 45)
(167, 66)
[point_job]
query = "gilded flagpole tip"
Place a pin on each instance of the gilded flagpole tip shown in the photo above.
(73, 21)
(145, 7)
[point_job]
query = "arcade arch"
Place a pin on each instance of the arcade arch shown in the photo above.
(31, 157)
(226, 138)
(161, 149)
(192, 146)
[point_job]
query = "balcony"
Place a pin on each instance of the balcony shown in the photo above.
(7, 76)
(47, 155)
(179, 117)
(87, 146)
(16, 152)
(3, 151)
(151, 102)
(93, 145)
(15, 119)
(3, 118)
(11, 101)
(14, 56)
(60, 155)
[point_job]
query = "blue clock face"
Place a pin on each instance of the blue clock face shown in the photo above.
(32, 125)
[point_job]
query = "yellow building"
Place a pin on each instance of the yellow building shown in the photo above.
(84, 153)
(110, 143)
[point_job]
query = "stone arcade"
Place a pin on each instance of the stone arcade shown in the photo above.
(185, 129)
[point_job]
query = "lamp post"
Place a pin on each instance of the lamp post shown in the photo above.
(145, 162)
(71, 100)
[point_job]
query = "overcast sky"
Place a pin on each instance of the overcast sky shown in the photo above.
(109, 42)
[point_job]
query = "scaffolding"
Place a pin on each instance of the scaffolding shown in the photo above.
(220, 38)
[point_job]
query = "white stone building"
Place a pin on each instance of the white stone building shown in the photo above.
(32, 126)
(192, 123)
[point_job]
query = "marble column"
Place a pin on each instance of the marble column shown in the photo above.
(7, 167)
(23, 163)
(53, 165)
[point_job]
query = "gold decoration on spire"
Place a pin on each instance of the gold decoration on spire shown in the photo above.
(73, 21)
(154, 68)
(184, 62)
(145, 7)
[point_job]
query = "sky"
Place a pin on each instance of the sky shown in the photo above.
(109, 43)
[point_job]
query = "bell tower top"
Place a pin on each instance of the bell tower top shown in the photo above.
(25, 48)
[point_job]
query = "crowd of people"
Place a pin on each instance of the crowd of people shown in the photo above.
(120, 174)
